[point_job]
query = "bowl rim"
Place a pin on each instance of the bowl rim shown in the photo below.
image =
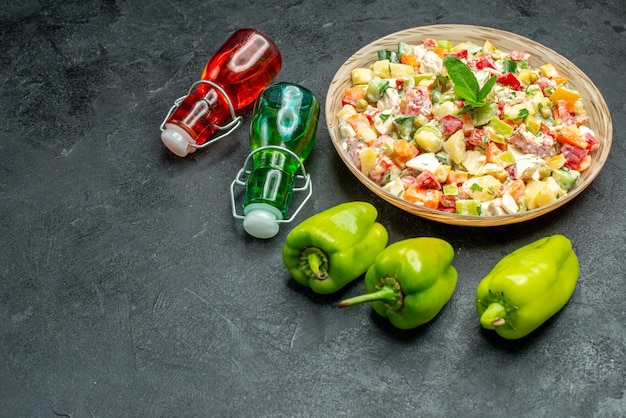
(497, 37)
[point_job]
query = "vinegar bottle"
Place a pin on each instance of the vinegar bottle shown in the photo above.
(282, 134)
(232, 79)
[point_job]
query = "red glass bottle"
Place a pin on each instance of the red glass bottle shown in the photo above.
(232, 79)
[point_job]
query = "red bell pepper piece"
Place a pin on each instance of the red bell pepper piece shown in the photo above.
(573, 155)
(462, 54)
(483, 63)
(509, 79)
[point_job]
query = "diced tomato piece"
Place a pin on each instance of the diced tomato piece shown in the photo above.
(451, 124)
(416, 101)
(426, 180)
(509, 79)
(573, 155)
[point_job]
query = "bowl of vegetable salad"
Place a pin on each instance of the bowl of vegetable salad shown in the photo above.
(468, 125)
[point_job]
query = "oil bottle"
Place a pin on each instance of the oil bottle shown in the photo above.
(232, 79)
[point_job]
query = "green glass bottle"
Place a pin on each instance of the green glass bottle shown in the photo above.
(282, 134)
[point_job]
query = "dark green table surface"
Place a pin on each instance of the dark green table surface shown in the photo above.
(128, 289)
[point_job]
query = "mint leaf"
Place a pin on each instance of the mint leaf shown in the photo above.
(465, 82)
(484, 92)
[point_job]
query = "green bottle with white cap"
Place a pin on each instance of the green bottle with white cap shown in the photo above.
(282, 134)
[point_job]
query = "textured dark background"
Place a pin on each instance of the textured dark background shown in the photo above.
(128, 290)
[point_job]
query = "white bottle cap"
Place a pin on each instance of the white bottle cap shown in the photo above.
(177, 140)
(261, 220)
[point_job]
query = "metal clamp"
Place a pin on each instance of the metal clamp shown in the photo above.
(230, 126)
(244, 172)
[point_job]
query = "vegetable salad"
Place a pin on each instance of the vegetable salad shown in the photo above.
(465, 128)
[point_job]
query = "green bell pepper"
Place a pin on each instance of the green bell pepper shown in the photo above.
(410, 281)
(527, 286)
(332, 248)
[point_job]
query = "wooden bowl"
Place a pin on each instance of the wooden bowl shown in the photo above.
(599, 116)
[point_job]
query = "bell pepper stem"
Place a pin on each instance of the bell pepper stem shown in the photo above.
(494, 316)
(386, 294)
(314, 264)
